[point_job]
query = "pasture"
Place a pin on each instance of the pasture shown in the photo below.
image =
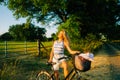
(18, 66)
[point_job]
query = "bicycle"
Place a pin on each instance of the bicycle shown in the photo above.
(74, 74)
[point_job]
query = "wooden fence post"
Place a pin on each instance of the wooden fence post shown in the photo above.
(5, 48)
(39, 47)
(25, 47)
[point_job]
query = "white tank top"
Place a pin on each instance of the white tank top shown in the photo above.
(58, 47)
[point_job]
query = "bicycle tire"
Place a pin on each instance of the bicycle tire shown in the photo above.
(44, 75)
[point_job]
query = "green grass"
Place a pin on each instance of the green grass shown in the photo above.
(26, 66)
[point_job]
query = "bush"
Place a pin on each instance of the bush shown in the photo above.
(90, 42)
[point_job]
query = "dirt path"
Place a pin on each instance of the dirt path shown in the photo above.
(107, 66)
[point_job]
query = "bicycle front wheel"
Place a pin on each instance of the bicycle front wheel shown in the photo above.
(44, 75)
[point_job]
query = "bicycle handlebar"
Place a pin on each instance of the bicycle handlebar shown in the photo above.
(65, 57)
(50, 63)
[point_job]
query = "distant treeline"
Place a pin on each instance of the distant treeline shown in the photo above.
(20, 33)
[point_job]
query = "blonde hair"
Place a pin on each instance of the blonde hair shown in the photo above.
(66, 37)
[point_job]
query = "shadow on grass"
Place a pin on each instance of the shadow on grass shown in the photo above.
(108, 49)
(26, 66)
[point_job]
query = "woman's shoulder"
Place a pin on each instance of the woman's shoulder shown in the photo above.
(55, 41)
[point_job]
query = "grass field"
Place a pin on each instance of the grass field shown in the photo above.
(106, 65)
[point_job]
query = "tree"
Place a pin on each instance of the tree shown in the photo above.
(90, 16)
(20, 32)
(6, 37)
(3, 2)
(53, 36)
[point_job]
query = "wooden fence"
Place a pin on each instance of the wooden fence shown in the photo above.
(24, 47)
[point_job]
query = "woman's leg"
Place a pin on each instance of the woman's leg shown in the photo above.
(65, 68)
(56, 69)
(56, 73)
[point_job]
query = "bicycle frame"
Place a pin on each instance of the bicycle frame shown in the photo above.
(71, 74)
(74, 74)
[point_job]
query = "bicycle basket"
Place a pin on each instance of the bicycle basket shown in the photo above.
(81, 63)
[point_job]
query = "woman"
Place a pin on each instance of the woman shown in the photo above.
(57, 52)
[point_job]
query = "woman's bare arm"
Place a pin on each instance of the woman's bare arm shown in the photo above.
(51, 55)
(69, 49)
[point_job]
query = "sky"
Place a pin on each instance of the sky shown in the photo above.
(7, 19)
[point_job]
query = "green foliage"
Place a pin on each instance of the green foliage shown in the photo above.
(3, 2)
(20, 32)
(6, 37)
(81, 17)
(72, 28)
(54, 36)
(90, 43)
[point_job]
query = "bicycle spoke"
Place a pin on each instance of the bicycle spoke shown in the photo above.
(43, 77)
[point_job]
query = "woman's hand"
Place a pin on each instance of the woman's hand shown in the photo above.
(75, 52)
(49, 61)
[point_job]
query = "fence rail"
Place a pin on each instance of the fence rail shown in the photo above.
(24, 47)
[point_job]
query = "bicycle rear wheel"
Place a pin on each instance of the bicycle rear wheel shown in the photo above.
(44, 75)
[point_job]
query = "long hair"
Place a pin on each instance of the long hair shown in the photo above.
(66, 38)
